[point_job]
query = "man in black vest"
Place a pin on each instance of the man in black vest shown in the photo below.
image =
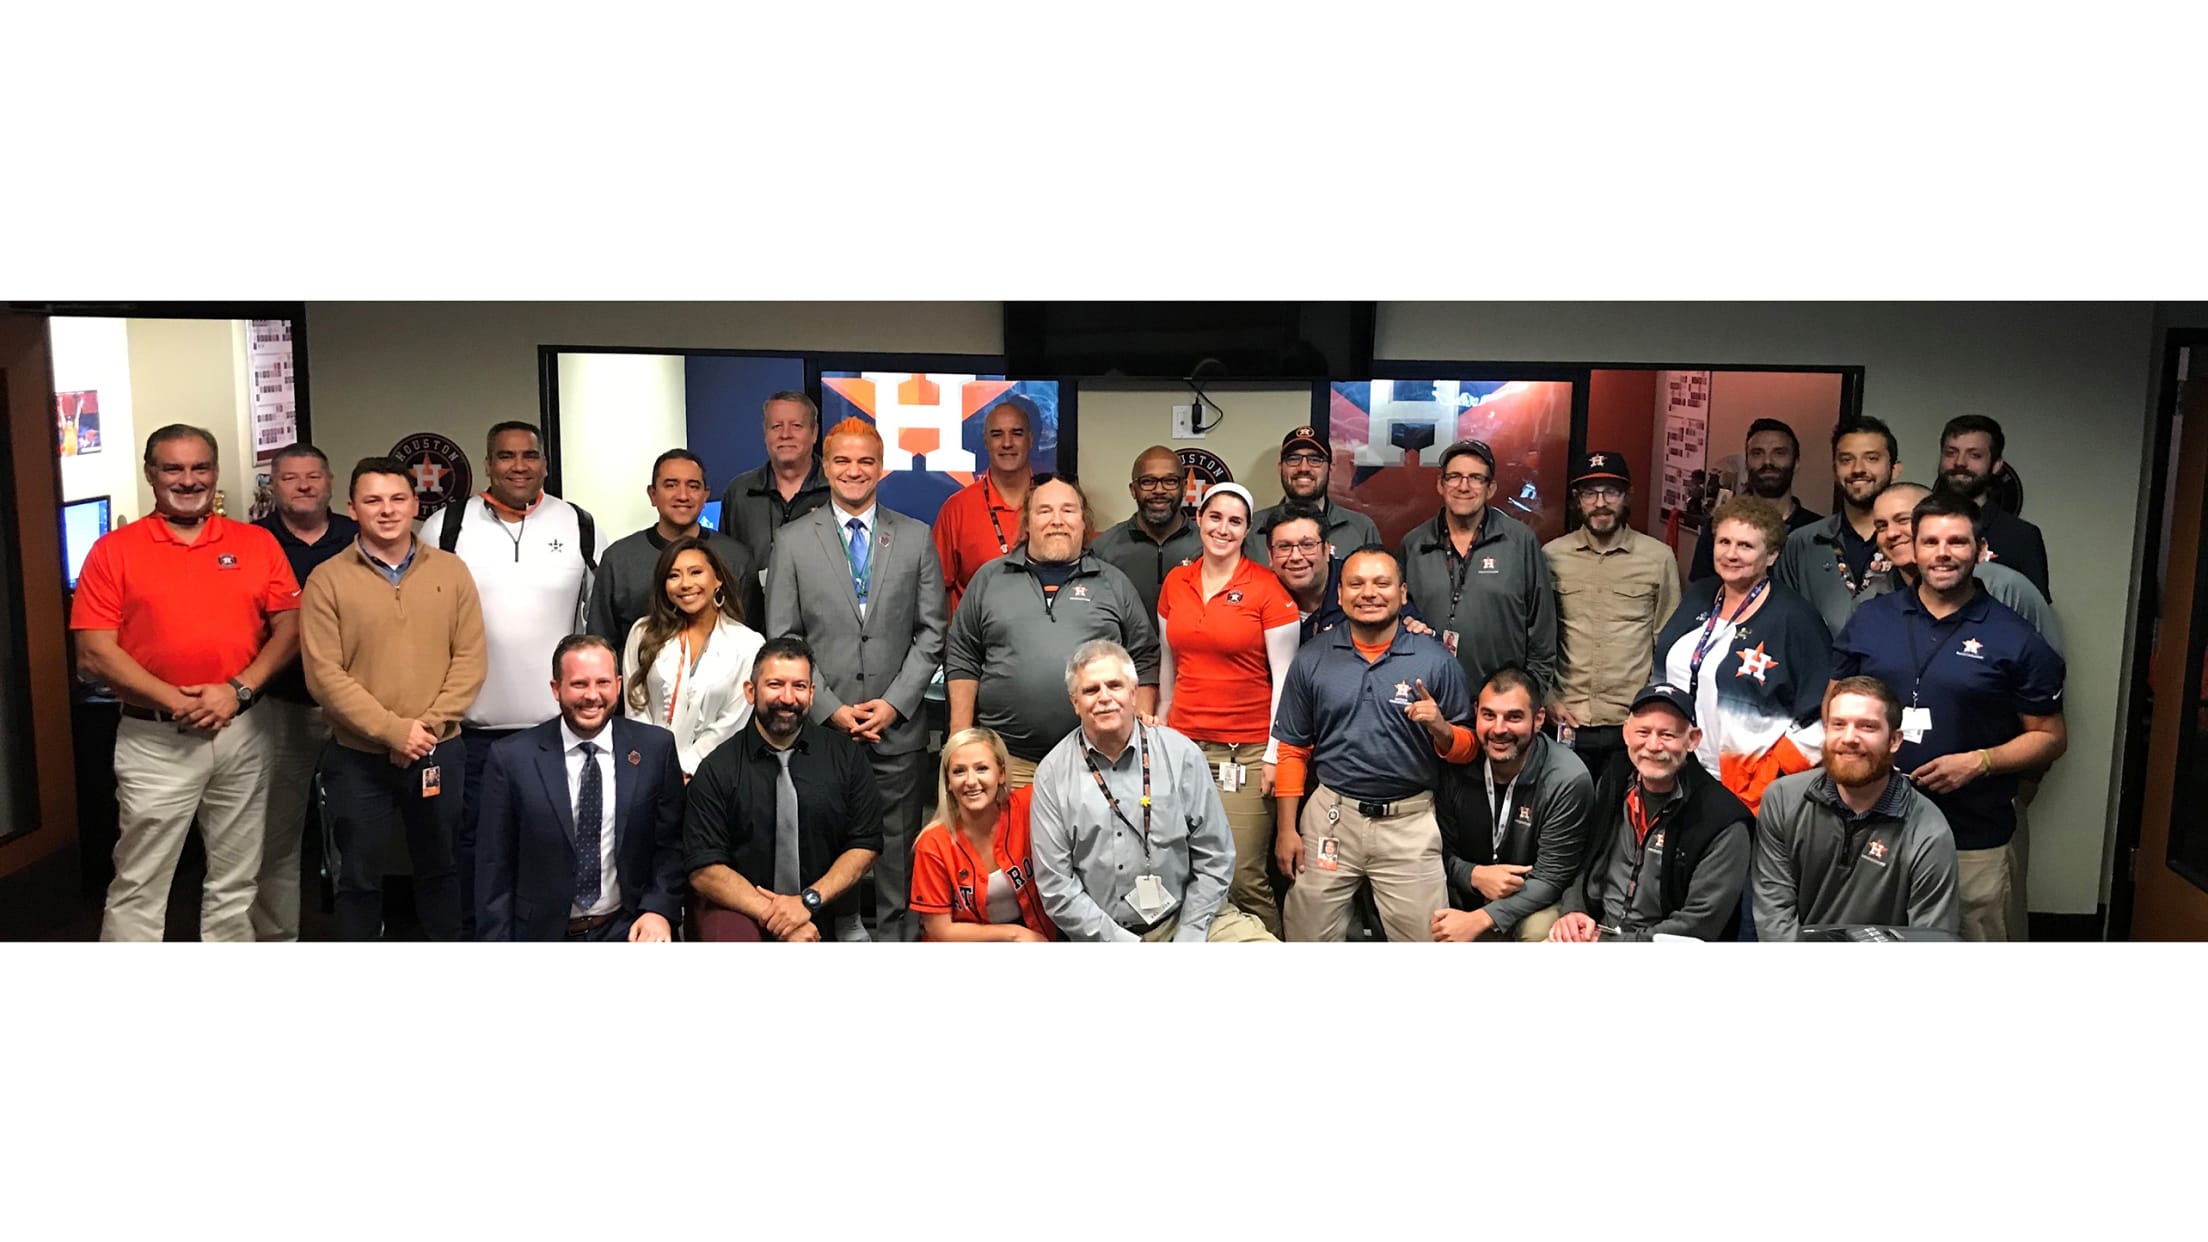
(1668, 845)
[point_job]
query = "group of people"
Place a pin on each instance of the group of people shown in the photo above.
(1222, 723)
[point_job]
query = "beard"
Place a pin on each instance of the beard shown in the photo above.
(1856, 771)
(1771, 484)
(779, 720)
(1967, 484)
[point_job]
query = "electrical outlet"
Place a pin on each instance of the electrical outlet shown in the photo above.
(1184, 423)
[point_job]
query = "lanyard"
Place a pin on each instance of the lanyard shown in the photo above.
(1458, 567)
(858, 580)
(989, 506)
(1637, 814)
(1089, 756)
(1709, 632)
(1847, 576)
(1923, 663)
(1502, 810)
(676, 692)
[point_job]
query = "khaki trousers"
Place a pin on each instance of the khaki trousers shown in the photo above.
(1229, 926)
(1985, 880)
(163, 781)
(295, 738)
(1532, 929)
(1398, 856)
(1019, 773)
(1250, 818)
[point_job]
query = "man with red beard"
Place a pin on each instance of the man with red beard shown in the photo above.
(1668, 846)
(1851, 843)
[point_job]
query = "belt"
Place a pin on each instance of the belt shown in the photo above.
(1401, 806)
(588, 923)
(136, 712)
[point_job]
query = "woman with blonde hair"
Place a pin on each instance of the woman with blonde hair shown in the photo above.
(690, 655)
(973, 877)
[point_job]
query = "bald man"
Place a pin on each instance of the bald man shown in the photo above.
(1159, 537)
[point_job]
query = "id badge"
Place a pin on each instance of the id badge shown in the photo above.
(1449, 640)
(1915, 723)
(1564, 736)
(1231, 776)
(1329, 857)
(433, 781)
(1149, 899)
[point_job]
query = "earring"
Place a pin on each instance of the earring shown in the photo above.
(720, 599)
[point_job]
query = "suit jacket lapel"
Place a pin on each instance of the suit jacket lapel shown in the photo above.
(626, 777)
(552, 766)
(830, 535)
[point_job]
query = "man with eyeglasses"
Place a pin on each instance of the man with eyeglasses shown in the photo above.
(1306, 466)
(1158, 538)
(1478, 575)
(1298, 546)
(1615, 588)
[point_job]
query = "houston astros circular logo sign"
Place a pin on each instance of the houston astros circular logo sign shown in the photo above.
(438, 467)
(1200, 469)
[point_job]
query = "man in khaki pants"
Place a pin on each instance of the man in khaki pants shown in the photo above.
(1372, 710)
(186, 614)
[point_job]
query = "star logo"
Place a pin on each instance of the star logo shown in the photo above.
(1598, 460)
(1972, 646)
(1754, 663)
(227, 561)
(1878, 849)
(1487, 562)
(555, 545)
(428, 475)
(1234, 597)
(1402, 689)
(1080, 592)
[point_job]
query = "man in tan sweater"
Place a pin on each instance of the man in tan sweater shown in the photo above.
(392, 642)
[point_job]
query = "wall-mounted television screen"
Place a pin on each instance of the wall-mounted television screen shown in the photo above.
(932, 426)
(1388, 437)
(82, 524)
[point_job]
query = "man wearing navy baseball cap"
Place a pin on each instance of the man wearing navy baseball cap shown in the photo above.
(1667, 846)
(1306, 466)
(1615, 588)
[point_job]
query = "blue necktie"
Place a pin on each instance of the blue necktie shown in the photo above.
(589, 811)
(858, 553)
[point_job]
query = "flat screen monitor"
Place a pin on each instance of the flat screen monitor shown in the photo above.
(932, 427)
(82, 523)
(709, 515)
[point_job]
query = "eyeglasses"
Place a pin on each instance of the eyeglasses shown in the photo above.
(1301, 547)
(1602, 492)
(1459, 479)
(1157, 482)
(1302, 459)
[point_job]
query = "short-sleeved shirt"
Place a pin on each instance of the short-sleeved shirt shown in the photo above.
(947, 877)
(1223, 674)
(304, 558)
(974, 527)
(191, 614)
(1983, 666)
(1352, 714)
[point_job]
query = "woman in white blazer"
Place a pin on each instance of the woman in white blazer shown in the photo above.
(689, 657)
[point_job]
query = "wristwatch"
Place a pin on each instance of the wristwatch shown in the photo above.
(811, 898)
(245, 693)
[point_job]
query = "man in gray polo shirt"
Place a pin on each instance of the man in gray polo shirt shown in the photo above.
(1852, 842)
(1478, 575)
(1368, 714)
(1306, 468)
(1023, 615)
(1158, 538)
(1131, 842)
(626, 578)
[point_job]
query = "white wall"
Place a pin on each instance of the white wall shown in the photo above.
(94, 355)
(379, 371)
(1116, 424)
(619, 412)
(192, 371)
(2070, 383)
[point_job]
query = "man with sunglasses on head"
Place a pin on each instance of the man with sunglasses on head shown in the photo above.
(1478, 576)
(1615, 588)
(1159, 538)
(1306, 470)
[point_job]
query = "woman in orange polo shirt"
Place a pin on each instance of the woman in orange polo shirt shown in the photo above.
(973, 877)
(1226, 635)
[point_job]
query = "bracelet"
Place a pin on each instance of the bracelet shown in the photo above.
(1985, 760)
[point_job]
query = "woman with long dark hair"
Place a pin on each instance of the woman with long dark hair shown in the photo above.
(688, 658)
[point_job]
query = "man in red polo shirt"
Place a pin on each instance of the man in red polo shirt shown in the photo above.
(981, 521)
(185, 615)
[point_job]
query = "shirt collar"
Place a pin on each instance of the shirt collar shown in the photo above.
(569, 741)
(1972, 610)
(413, 548)
(865, 516)
(210, 530)
(1134, 743)
(762, 479)
(1892, 804)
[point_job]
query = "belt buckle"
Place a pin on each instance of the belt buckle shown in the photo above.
(1373, 810)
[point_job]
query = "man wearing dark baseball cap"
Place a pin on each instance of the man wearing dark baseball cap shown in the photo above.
(1478, 576)
(1306, 465)
(1615, 588)
(1667, 846)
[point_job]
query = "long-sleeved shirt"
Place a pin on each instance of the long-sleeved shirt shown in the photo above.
(379, 657)
(698, 698)
(1628, 882)
(1544, 827)
(1610, 603)
(1088, 858)
(1144, 560)
(627, 578)
(1496, 600)
(753, 511)
(1817, 862)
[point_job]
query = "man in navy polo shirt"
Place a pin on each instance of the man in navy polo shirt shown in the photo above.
(1981, 696)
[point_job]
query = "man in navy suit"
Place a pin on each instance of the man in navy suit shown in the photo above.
(581, 835)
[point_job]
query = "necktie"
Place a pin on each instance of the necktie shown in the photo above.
(858, 553)
(785, 827)
(589, 810)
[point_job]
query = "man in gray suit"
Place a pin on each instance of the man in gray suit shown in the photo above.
(862, 585)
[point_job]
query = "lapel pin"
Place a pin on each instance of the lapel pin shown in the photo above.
(635, 759)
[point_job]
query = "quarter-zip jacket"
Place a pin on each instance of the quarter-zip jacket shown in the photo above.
(1549, 805)
(1819, 863)
(1507, 609)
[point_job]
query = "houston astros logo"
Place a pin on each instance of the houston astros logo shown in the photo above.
(1754, 663)
(438, 467)
(1200, 470)
(1598, 460)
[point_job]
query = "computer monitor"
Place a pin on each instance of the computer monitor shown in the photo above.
(709, 515)
(82, 523)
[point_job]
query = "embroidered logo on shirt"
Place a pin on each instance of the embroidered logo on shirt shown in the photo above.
(1875, 852)
(1487, 564)
(1657, 842)
(1971, 648)
(1234, 597)
(1754, 663)
(227, 561)
(1080, 592)
(555, 545)
(1525, 815)
(1017, 876)
(1402, 692)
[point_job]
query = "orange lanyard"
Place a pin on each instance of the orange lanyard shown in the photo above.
(676, 693)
